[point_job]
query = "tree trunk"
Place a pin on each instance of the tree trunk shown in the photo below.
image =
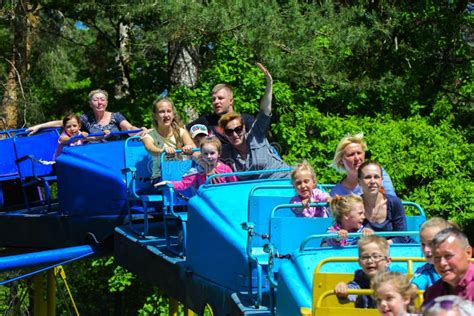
(183, 69)
(184, 64)
(24, 24)
(122, 85)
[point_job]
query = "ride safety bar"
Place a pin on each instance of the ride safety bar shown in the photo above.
(76, 137)
(384, 234)
(409, 260)
(246, 173)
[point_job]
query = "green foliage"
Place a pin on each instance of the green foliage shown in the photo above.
(154, 305)
(229, 64)
(429, 164)
(117, 288)
(398, 71)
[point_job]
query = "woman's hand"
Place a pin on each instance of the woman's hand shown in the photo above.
(187, 149)
(170, 151)
(144, 131)
(33, 129)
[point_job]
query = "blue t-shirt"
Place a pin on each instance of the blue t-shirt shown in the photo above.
(425, 276)
(387, 184)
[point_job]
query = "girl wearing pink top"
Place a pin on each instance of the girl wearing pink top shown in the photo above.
(71, 127)
(210, 152)
(304, 181)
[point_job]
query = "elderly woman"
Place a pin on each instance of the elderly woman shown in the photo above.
(250, 150)
(350, 154)
(98, 121)
(383, 212)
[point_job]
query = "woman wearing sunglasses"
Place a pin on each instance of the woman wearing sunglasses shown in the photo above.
(250, 150)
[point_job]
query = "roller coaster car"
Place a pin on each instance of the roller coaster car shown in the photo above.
(27, 165)
(243, 251)
(324, 301)
(91, 192)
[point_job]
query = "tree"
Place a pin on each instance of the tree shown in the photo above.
(24, 23)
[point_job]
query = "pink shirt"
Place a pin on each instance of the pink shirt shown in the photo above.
(60, 146)
(318, 211)
(196, 179)
(464, 289)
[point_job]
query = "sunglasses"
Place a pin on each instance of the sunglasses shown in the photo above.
(230, 131)
(445, 304)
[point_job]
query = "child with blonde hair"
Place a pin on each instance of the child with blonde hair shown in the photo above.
(373, 258)
(348, 213)
(426, 275)
(211, 148)
(394, 294)
(303, 178)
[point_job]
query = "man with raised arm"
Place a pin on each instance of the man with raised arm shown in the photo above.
(222, 103)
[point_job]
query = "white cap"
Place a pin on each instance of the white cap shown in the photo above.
(198, 129)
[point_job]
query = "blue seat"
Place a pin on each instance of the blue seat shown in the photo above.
(137, 173)
(414, 221)
(34, 160)
(175, 203)
(8, 167)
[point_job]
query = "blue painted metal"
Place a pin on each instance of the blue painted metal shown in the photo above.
(238, 271)
(295, 275)
(138, 173)
(8, 167)
(33, 155)
(92, 199)
(47, 257)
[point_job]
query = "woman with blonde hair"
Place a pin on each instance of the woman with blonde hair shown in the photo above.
(168, 135)
(99, 120)
(349, 155)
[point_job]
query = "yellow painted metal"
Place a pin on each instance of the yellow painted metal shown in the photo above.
(173, 306)
(305, 311)
(329, 311)
(324, 299)
(408, 260)
(39, 308)
(60, 271)
(323, 309)
(208, 310)
(51, 291)
(188, 312)
(323, 282)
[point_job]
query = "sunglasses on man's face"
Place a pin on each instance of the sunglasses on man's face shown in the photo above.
(230, 131)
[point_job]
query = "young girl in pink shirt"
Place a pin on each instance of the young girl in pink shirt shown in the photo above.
(303, 178)
(210, 153)
(348, 212)
(71, 128)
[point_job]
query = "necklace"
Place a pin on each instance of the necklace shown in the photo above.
(376, 213)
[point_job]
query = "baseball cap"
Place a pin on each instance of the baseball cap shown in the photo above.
(198, 129)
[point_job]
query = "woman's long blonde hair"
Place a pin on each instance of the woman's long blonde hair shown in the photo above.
(176, 124)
